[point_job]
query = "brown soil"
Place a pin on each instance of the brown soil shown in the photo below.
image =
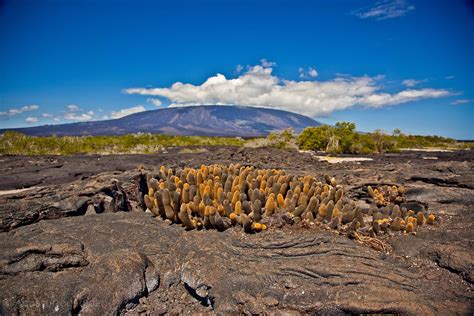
(59, 256)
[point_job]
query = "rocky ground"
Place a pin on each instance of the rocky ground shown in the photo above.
(75, 239)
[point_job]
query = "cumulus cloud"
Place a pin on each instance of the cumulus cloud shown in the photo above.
(259, 87)
(312, 72)
(239, 68)
(73, 108)
(54, 118)
(155, 102)
(412, 82)
(81, 117)
(31, 119)
(307, 73)
(462, 101)
(17, 111)
(265, 63)
(127, 111)
(76, 113)
(383, 10)
(383, 99)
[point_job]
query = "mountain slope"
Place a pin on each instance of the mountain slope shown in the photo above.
(203, 120)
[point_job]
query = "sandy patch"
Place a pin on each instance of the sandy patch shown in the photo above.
(342, 159)
(428, 150)
(332, 159)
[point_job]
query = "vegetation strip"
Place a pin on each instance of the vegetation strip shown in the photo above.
(341, 138)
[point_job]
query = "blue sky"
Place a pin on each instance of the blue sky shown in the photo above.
(381, 64)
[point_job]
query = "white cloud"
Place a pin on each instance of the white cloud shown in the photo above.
(462, 101)
(265, 63)
(73, 108)
(449, 77)
(312, 72)
(46, 115)
(259, 87)
(309, 73)
(239, 68)
(155, 102)
(412, 82)
(128, 111)
(383, 99)
(383, 10)
(13, 112)
(30, 107)
(31, 119)
(81, 117)
(76, 113)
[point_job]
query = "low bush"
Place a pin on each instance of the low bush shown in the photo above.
(340, 138)
(14, 143)
(343, 138)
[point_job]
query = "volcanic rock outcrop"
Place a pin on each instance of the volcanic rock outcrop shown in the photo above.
(75, 239)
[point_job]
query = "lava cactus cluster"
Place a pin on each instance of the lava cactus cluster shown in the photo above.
(386, 194)
(387, 214)
(218, 197)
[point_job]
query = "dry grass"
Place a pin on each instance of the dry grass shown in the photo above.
(373, 242)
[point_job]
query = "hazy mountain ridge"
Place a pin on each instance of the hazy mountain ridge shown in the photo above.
(203, 120)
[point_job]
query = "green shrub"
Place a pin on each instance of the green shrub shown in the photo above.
(343, 138)
(340, 138)
(283, 140)
(315, 138)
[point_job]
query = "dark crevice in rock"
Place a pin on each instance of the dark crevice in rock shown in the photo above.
(130, 303)
(445, 265)
(415, 206)
(452, 270)
(142, 189)
(77, 307)
(87, 194)
(205, 301)
(119, 197)
(440, 182)
(83, 175)
(447, 201)
(81, 210)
